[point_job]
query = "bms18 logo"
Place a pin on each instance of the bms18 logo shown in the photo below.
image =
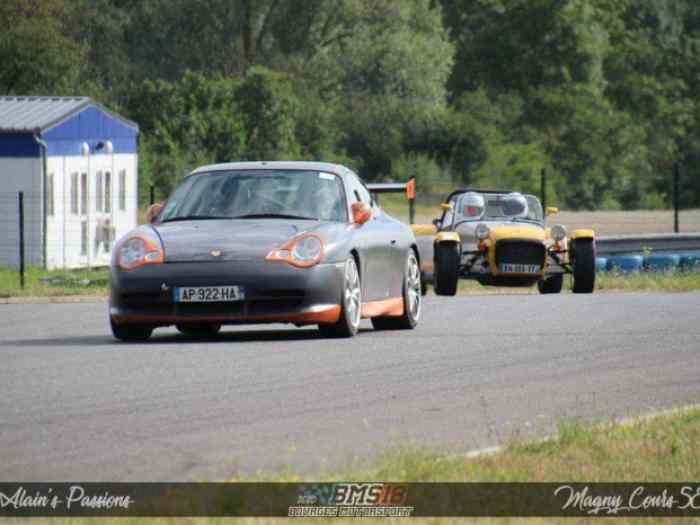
(369, 494)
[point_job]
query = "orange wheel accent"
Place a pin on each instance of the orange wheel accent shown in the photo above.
(388, 307)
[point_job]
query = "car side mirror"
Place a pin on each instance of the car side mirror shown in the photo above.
(551, 210)
(436, 223)
(153, 212)
(361, 213)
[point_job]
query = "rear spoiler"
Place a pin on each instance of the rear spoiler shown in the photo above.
(409, 188)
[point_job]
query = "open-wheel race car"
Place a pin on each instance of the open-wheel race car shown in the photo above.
(499, 238)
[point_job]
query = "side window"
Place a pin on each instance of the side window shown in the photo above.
(108, 192)
(359, 191)
(74, 200)
(99, 194)
(83, 193)
(365, 195)
(122, 190)
(49, 195)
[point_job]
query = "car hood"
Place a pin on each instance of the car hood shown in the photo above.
(226, 240)
(502, 230)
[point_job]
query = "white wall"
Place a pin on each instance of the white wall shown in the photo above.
(20, 174)
(65, 243)
(64, 228)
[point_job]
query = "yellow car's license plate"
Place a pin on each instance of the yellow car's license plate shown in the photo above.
(519, 268)
(208, 294)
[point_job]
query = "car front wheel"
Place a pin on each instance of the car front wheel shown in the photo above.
(131, 332)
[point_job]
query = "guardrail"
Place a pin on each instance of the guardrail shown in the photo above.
(638, 244)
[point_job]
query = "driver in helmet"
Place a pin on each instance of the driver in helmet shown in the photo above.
(514, 205)
(472, 205)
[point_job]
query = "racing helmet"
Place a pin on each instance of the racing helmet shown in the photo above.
(472, 204)
(514, 205)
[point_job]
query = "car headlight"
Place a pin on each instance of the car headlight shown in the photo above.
(303, 251)
(558, 232)
(482, 232)
(139, 248)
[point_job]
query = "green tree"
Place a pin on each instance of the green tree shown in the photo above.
(37, 54)
(268, 109)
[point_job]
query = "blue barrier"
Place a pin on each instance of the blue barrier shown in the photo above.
(601, 264)
(690, 262)
(662, 262)
(625, 264)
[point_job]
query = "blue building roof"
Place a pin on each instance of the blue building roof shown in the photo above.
(64, 123)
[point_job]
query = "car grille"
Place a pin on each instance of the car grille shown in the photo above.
(520, 252)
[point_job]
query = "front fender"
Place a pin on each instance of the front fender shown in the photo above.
(447, 237)
(582, 234)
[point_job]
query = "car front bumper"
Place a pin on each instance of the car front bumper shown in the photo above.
(274, 292)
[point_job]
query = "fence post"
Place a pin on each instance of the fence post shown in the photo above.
(153, 194)
(543, 188)
(21, 238)
(676, 196)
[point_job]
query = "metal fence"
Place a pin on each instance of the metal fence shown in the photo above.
(432, 190)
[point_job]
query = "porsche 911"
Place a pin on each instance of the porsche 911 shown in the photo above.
(266, 242)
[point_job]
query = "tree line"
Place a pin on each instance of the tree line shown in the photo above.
(601, 93)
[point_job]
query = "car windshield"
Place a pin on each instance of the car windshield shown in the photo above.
(497, 206)
(236, 194)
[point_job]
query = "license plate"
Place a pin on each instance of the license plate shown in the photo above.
(519, 268)
(208, 294)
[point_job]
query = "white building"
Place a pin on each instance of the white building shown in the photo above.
(77, 164)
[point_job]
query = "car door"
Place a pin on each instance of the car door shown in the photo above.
(400, 240)
(374, 242)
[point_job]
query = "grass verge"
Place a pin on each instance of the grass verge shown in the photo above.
(605, 282)
(661, 448)
(45, 283)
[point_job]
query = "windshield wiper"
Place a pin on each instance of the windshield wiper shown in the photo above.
(274, 216)
(195, 218)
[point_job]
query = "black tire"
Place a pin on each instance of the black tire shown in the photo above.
(351, 304)
(131, 332)
(446, 270)
(199, 329)
(583, 262)
(552, 284)
(412, 298)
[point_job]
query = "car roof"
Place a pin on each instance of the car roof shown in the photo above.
(327, 167)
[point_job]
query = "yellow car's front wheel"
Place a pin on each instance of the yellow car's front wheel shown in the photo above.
(583, 262)
(446, 268)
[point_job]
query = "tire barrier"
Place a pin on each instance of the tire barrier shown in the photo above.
(625, 264)
(601, 264)
(662, 263)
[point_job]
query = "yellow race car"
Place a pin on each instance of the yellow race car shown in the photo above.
(499, 238)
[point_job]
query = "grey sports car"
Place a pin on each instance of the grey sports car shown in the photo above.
(263, 242)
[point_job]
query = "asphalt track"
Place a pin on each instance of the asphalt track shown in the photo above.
(76, 405)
